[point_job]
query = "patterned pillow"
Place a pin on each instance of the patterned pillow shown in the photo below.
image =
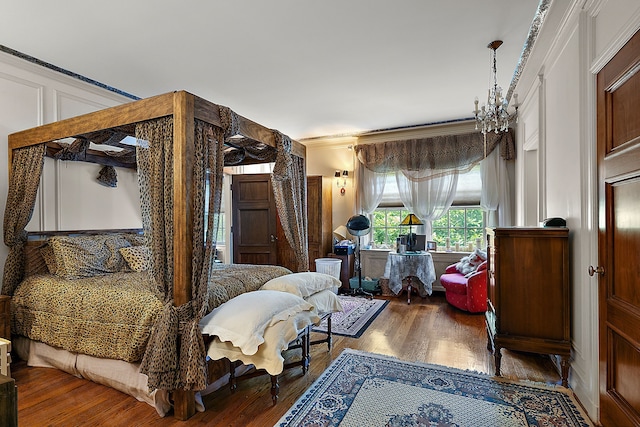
(87, 256)
(114, 243)
(302, 284)
(134, 238)
(49, 258)
(137, 257)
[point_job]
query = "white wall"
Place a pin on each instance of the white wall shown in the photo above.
(557, 87)
(69, 197)
(324, 157)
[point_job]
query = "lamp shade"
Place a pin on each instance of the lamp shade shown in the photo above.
(341, 232)
(359, 225)
(411, 219)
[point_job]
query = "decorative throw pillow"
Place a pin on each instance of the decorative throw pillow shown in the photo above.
(115, 261)
(325, 302)
(134, 238)
(242, 320)
(87, 256)
(138, 258)
(302, 284)
(469, 263)
(49, 258)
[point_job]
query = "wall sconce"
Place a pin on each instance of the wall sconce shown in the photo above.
(341, 180)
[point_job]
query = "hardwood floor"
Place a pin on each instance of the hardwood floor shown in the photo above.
(429, 330)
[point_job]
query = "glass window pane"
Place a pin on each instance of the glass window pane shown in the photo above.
(456, 217)
(379, 235)
(474, 218)
(473, 234)
(378, 219)
(440, 237)
(442, 222)
(394, 232)
(394, 217)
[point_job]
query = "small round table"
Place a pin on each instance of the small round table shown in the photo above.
(412, 265)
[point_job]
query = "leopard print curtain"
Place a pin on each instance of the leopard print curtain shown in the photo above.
(208, 168)
(21, 198)
(155, 180)
(165, 366)
(290, 190)
(457, 152)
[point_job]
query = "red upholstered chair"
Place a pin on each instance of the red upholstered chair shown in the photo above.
(466, 293)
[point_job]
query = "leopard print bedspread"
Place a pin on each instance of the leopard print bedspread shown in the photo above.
(111, 316)
(106, 316)
(230, 280)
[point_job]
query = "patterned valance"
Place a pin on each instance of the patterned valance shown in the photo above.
(440, 153)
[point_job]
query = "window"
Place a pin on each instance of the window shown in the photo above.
(385, 228)
(461, 225)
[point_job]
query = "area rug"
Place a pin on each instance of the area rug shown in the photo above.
(367, 389)
(358, 314)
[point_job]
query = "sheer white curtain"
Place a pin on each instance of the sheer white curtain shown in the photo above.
(495, 198)
(370, 189)
(425, 196)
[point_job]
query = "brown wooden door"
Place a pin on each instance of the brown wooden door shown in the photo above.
(254, 220)
(618, 107)
(319, 211)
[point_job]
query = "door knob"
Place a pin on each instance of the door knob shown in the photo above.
(597, 270)
(273, 238)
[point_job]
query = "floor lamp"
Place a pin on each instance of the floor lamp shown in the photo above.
(359, 225)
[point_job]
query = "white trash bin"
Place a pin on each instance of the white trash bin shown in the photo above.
(330, 266)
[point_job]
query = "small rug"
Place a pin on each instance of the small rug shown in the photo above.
(367, 389)
(358, 314)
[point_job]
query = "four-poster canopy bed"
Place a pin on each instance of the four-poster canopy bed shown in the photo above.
(182, 144)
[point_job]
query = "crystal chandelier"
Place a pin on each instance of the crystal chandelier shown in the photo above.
(493, 116)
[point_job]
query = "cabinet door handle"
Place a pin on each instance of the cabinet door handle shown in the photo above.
(273, 238)
(596, 270)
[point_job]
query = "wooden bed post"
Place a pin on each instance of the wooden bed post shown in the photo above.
(183, 157)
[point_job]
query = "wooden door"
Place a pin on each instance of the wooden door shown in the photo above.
(618, 111)
(254, 220)
(319, 219)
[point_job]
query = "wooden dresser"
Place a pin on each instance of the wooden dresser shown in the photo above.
(528, 292)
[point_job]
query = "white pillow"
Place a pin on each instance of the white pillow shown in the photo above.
(269, 354)
(302, 284)
(325, 302)
(243, 319)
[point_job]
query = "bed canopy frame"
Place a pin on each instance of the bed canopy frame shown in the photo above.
(245, 142)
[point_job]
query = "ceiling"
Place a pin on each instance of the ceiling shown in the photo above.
(306, 68)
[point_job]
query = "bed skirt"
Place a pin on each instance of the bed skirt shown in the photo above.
(117, 374)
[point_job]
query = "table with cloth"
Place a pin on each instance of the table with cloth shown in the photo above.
(416, 267)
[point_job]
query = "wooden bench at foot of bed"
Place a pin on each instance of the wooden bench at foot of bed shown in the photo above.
(255, 328)
(302, 342)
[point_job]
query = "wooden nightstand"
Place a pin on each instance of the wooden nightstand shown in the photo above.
(5, 317)
(346, 270)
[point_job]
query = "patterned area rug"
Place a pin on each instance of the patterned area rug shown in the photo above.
(367, 389)
(358, 314)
